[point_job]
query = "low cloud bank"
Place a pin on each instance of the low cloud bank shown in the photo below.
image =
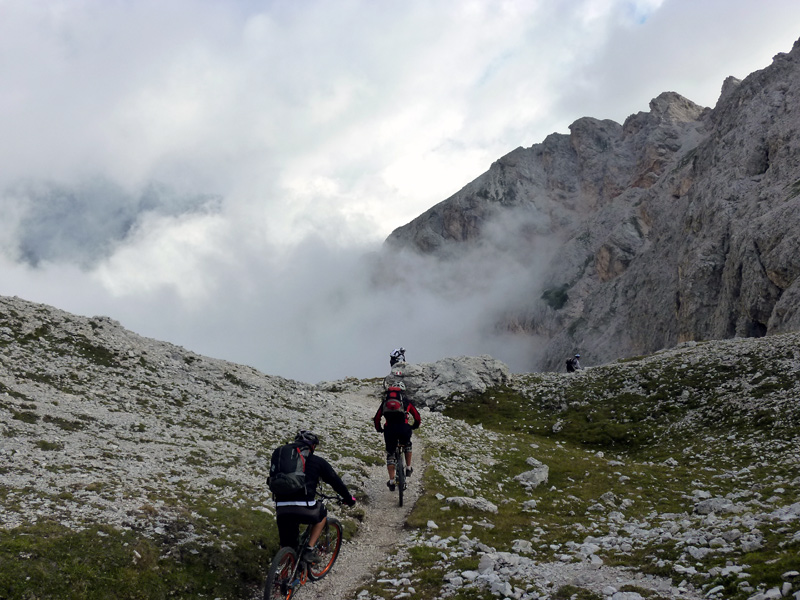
(315, 311)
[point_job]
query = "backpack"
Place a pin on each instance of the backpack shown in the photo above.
(287, 470)
(570, 365)
(393, 404)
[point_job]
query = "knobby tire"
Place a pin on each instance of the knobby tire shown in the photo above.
(400, 471)
(328, 546)
(280, 575)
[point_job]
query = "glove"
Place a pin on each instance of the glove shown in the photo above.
(350, 502)
(379, 429)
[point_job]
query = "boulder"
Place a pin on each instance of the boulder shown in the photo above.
(476, 503)
(534, 477)
(438, 384)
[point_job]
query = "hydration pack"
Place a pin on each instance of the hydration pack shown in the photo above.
(393, 404)
(570, 365)
(287, 470)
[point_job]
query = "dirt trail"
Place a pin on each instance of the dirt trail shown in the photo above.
(381, 529)
(378, 535)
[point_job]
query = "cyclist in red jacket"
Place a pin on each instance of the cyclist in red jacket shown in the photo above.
(395, 410)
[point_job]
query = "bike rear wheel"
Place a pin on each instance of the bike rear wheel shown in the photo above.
(280, 575)
(328, 546)
(400, 473)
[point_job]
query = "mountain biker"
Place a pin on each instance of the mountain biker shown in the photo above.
(396, 430)
(397, 355)
(291, 511)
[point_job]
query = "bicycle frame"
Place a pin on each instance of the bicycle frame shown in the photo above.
(286, 583)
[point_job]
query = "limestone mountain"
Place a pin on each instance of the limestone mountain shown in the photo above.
(679, 224)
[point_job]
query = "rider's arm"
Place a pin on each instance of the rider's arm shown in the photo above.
(414, 413)
(377, 419)
(329, 476)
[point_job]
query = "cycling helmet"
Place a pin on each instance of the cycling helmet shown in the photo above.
(306, 437)
(577, 356)
(402, 349)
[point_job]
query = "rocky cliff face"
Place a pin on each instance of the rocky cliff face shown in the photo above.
(680, 224)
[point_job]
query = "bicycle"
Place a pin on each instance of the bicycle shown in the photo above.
(288, 571)
(400, 471)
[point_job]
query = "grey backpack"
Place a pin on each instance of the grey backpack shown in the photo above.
(287, 470)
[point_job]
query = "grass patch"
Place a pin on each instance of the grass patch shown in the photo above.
(25, 416)
(571, 592)
(50, 561)
(49, 446)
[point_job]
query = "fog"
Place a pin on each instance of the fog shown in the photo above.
(222, 175)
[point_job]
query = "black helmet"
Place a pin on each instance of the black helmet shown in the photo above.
(306, 437)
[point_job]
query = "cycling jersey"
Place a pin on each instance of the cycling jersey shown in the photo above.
(410, 410)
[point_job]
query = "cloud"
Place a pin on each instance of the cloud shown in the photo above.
(85, 223)
(214, 174)
(685, 47)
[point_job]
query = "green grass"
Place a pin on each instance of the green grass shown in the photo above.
(649, 433)
(51, 561)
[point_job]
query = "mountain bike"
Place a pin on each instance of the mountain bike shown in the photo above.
(288, 571)
(400, 471)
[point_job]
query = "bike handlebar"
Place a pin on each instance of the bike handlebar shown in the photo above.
(339, 499)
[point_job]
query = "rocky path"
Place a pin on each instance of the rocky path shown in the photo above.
(382, 527)
(379, 535)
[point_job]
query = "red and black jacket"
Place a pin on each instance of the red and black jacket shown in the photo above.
(409, 409)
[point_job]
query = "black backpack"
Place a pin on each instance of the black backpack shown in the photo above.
(570, 365)
(287, 470)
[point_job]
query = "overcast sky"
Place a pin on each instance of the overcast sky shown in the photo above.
(213, 173)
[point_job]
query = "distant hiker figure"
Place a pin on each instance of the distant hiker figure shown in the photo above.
(397, 355)
(573, 364)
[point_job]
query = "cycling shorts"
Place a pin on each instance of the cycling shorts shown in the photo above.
(394, 433)
(289, 519)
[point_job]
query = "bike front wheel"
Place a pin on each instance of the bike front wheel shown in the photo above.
(328, 546)
(279, 580)
(401, 476)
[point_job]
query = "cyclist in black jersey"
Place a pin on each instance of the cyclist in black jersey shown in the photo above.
(291, 511)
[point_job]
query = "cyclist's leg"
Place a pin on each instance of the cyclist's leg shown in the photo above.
(291, 517)
(405, 440)
(315, 531)
(316, 519)
(288, 528)
(390, 437)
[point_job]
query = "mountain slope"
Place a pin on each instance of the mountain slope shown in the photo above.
(680, 224)
(132, 468)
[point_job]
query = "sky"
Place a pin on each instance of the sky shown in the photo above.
(221, 175)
